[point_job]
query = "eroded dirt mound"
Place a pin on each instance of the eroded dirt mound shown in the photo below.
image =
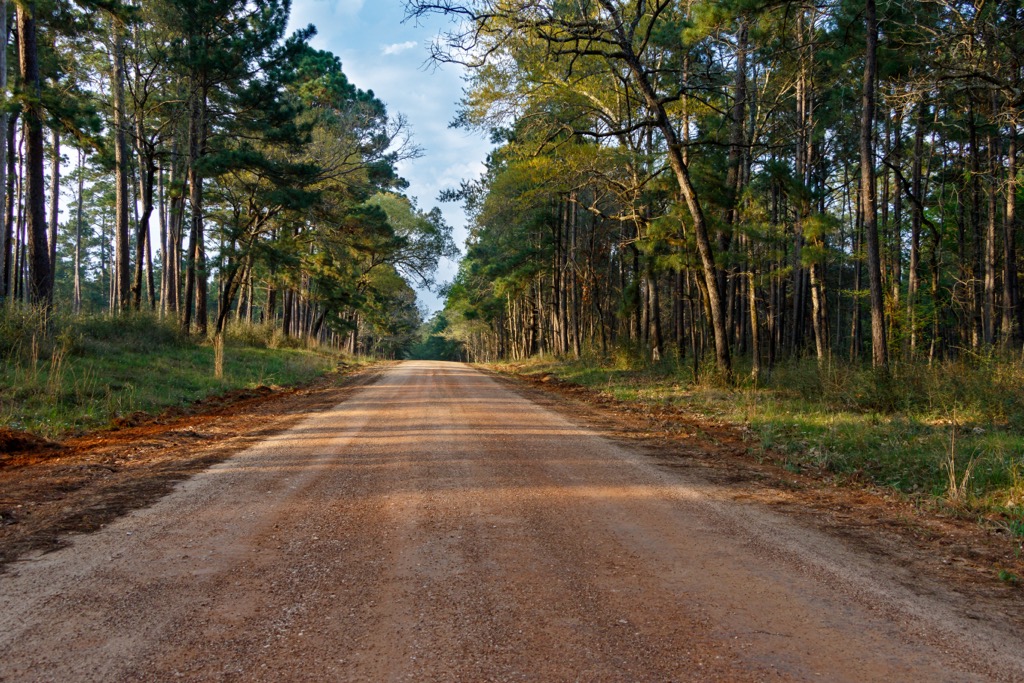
(13, 441)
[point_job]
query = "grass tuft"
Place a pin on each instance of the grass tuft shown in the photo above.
(1009, 577)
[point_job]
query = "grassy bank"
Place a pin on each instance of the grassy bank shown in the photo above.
(74, 375)
(952, 434)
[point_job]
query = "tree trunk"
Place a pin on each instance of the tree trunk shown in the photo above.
(5, 225)
(175, 221)
(879, 350)
(80, 201)
(20, 270)
(677, 313)
(856, 319)
(1011, 292)
(122, 197)
(755, 341)
(19, 225)
(914, 274)
(989, 308)
(734, 176)
(686, 188)
(164, 247)
(11, 200)
(977, 252)
(233, 279)
(654, 303)
(190, 280)
(150, 284)
(54, 202)
(286, 317)
(40, 283)
(804, 168)
(897, 216)
(195, 278)
(147, 177)
(574, 302)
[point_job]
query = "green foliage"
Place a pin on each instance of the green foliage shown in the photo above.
(139, 330)
(296, 171)
(241, 333)
(436, 347)
(20, 328)
(434, 344)
(985, 390)
(1009, 577)
(64, 376)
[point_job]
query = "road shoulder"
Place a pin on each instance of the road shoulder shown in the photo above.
(936, 555)
(51, 491)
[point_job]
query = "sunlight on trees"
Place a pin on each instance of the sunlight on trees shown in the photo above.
(220, 170)
(720, 179)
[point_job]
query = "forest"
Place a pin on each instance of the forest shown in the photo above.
(735, 343)
(741, 182)
(214, 171)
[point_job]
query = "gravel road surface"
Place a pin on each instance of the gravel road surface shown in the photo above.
(437, 526)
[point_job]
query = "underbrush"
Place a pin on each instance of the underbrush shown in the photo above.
(951, 434)
(64, 375)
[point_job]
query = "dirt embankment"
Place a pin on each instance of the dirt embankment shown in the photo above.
(50, 490)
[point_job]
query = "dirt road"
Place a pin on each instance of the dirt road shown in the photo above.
(439, 526)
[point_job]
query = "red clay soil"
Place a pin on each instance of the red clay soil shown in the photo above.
(50, 490)
(14, 442)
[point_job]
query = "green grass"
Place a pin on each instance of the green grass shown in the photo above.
(75, 375)
(852, 424)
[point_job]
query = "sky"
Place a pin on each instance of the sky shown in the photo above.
(381, 53)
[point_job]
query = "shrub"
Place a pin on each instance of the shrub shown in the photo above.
(21, 329)
(133, 330)
(256, 335)
(281, 341)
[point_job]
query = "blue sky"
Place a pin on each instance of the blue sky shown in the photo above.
(382, 54)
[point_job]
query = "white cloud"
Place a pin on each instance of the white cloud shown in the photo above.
(348, 7)
(399, 48)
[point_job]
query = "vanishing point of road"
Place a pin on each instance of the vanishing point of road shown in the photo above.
(438, 526)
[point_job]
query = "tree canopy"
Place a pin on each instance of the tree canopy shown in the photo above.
(743, 177)
(211, 151)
